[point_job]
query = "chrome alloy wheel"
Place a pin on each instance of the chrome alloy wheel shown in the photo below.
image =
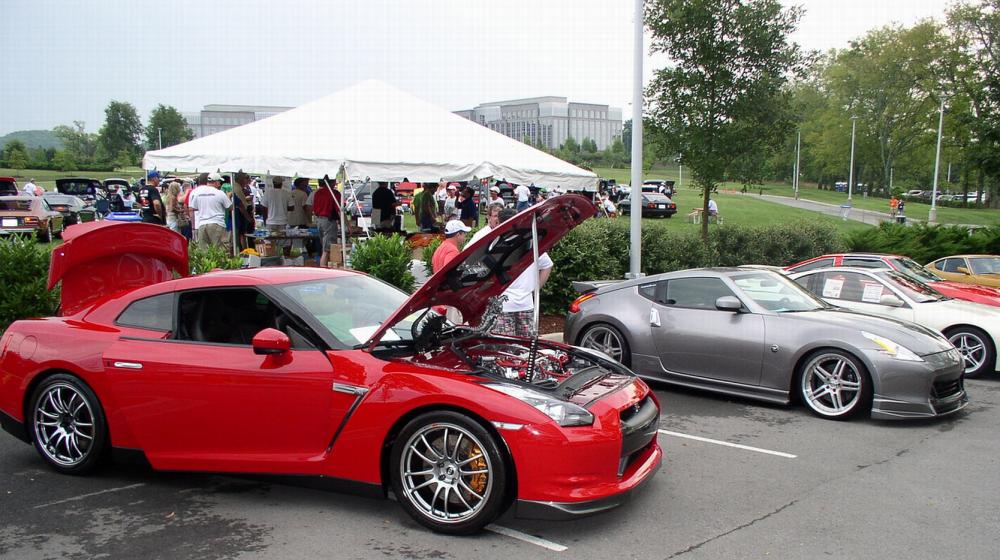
(446, 473)
(64, 425)
(832, 385)
(972, 347)
(604, 339)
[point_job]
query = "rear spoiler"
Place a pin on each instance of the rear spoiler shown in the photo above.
(102, 258)
(588, 286)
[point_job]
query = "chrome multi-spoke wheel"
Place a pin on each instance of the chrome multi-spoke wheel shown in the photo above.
(606, 339)
(834, 385)
(448, 473)
(976, 349)
(67, 424)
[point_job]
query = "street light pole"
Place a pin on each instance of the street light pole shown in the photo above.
(635, 224)
(850, 174)
(932, 215)
(159, 134)
(798, 151)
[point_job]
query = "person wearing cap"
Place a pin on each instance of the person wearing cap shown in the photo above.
(324, 202)
(495, 196)
(210, 206)
(153, 211)
(454, 239)
(450, 203)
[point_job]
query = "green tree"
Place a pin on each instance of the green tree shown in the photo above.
(15, 154)
(168, 122)
(720, 100)
(77, 142)
(570, 145)
(63, 161)
(121, 131)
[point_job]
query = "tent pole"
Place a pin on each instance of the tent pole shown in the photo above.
(343, 225)
(232, 207)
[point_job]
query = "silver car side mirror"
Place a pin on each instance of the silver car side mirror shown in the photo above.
(728, 303)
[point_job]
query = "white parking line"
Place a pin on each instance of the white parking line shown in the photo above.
(728, 444)
(549, 545)
(81, 497)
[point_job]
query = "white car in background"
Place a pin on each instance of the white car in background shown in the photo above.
(972, 327)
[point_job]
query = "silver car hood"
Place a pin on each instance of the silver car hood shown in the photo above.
(919, 339)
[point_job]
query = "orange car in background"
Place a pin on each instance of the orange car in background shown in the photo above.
(30, 215)
(969, 269)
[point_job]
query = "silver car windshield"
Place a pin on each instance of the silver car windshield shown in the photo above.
(774, 292)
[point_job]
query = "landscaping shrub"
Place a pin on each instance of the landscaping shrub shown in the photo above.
(924, 243)
(207, 259)
(385, 258)
(23, 276)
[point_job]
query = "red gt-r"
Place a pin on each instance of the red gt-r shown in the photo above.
(907, 266)
(329, 376)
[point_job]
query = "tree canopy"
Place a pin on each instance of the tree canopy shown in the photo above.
(167, 123)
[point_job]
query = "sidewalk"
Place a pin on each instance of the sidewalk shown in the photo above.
(870, 217)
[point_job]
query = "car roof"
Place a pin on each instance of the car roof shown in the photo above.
(981, 255)
(844, 269)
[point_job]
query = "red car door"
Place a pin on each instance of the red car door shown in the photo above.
(223, 408)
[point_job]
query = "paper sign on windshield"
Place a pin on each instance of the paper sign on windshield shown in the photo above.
(832, 287)
(872, 294)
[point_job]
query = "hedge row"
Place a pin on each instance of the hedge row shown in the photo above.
(24, 271)
(925, 243)
(599, 250)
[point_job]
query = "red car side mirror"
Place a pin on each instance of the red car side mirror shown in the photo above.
(271, 341)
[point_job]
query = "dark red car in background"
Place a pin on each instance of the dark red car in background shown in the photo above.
(328, 375)
(905, 265)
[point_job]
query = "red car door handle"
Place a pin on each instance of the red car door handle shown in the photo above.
(128, 365)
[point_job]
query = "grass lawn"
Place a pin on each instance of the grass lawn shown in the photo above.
(915, 210)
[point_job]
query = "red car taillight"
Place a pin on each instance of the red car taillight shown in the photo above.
(650, 205)
(575, 306)
(29, 220)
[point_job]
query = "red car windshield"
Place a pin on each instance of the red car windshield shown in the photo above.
(912, 268)
(351, 308)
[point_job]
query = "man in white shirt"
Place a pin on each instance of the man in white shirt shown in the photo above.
(276, 201)
(210, 204)
(523, 193)
(713, 208)
(518, 317)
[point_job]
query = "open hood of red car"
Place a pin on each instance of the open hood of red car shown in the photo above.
(103, 258)
(484, 269)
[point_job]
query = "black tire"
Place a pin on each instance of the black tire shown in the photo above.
(826, 398)
(976, 347)
(62, 228)
(588, 335)
(77, 440)
(482, 494)
(45, 236)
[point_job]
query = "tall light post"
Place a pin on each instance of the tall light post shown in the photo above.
(159, 134)
(850, 174)
(635, 224)
(932, 215)
(798, 151)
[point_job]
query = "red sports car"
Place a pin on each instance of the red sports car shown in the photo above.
(906, 265)
(328, 374)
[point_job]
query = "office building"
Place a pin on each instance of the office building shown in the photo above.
(549, 120)
(216, 118)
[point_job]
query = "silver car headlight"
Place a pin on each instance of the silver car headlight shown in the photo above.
(892, 348)
(564, 413)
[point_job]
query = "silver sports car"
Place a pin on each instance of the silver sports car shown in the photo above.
(755, 333)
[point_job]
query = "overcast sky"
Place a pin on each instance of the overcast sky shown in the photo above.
(64, 60)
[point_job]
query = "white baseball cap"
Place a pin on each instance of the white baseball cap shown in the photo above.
(495, 189)
(455, 226)
(215, 177)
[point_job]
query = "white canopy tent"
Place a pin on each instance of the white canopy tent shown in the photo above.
(372, 130)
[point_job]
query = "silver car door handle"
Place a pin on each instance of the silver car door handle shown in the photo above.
(349, 389)
(654, 317)
(128, 365)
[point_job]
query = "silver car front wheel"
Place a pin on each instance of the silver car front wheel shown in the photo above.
(834, 385)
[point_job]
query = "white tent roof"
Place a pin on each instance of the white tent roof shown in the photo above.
(375, 131)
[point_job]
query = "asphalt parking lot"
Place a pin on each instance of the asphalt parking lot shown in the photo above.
(795, 486)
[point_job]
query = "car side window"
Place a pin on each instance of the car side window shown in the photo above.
(154, 313)
(849, 286)
(233, 316)
(864, 262)
(695, 293)
(648, 291)
(951, 265)
(821, 263)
